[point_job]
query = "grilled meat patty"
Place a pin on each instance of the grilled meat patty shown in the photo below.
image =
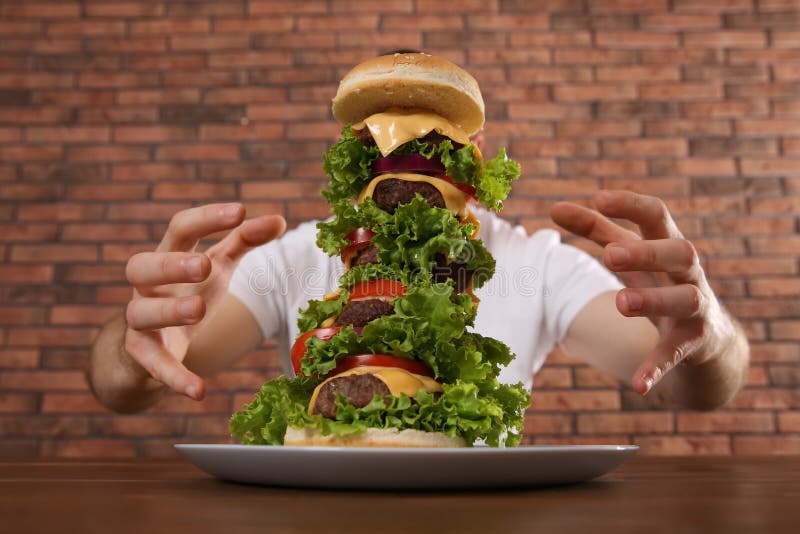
(360, 312)
(391, 192)
(358, 389)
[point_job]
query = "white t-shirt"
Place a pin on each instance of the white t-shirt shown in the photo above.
(538, 288)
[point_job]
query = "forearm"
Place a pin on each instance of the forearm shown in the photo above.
(117, 381)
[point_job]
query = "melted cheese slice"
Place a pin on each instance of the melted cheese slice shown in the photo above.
(397, 380)
(395, 127)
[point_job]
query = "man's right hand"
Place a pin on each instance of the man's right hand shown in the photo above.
(175, 288)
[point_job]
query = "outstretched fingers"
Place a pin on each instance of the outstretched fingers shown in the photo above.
(189, 226)
(145, 348)
(648, 212)
(249, 234)
(588, 223)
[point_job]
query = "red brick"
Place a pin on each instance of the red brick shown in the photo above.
(123, 9)
(603, 167)
(44, 426)
(767, 127)
(87, 28)
(584, 56)
(9, 153)
(127, 44)
(763, 90)
(26, 274)
(212, 132)
(761, 445)
(543, 75)
(666, 186)
(153, 134)
(573, 128)
(54, 253)
(28, 232)
(575, 401)
(248, 59)
(786, 39)
(791, 146)
(153, 171)
(770, 206)
(254, 25)
(59, 211)
(680, 21)
(774, 287)
(730, 108)
(785, 330)
(537, 424)
(684, 445)
(767, 399)
(28, 192)
(40, 10)
(68, 134)
(140, 114)
(233, 41)
(570, 93)
(170, 26)
(789, 422)
(271, 7)
(245, 95)
(775, 351)
(638, 73)
(755, 422)
(18, 358)
(206, 7)
(551, 39)
(104, 232)
(80, 274)
(108, 153)
(198, 152)
(713, 6)
(680, 91)
(96, 79)
(19, 27)
(687, 128)
(645, 147)
(770, 166)
(625, 423)
(17, 315)
(18, 403)
(39, 380)
(550, 148)
(82, 315)
(776, 245)
(726, 39)
(198, 191)
(697, 167)
(749, 226)
(159, 96)
(10, 135)
(636, 39)
(167, 63)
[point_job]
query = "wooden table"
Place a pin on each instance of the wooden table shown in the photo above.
(676, 495)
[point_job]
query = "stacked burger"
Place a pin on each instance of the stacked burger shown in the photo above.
(388, 359)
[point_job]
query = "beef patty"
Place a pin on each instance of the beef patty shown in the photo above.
(391, 192)
(360, 312)
(358, 389)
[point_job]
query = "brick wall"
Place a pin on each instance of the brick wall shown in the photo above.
(114, 115)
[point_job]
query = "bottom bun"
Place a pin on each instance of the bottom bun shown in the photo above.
(371, 437)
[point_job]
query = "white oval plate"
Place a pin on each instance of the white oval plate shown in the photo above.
(406, 469)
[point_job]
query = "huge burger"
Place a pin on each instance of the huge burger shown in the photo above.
(388, 358)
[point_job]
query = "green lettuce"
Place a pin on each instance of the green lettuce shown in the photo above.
(493, 413)
(348, 163)
(411, 239)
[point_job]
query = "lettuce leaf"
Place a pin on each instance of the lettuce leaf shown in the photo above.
(410, 239)
(493, 413)
(348, 163)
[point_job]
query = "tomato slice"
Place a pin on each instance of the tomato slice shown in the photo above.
(299, 347)
(464, 188)
(379, 287)
(381, 360)
(359, 238)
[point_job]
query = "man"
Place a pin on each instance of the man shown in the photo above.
(665, 332)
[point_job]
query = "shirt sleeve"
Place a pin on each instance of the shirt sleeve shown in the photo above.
(571, 279)
(256, 283)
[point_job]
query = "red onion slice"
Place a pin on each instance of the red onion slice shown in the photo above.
(407, 163)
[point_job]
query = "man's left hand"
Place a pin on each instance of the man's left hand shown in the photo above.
(665, 281)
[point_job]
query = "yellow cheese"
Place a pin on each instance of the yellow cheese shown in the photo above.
(396, 127)
(453, 197)
(328, 322)
(397, 380)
